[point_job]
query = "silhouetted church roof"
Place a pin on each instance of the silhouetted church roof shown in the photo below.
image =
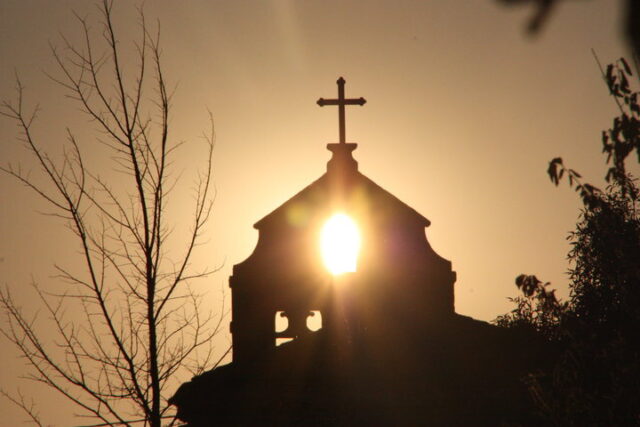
(319, 192)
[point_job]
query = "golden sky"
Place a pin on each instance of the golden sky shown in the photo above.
(463, 113)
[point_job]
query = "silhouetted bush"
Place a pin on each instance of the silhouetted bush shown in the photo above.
(595, 378)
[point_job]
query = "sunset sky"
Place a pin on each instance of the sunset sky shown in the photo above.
(463, 113)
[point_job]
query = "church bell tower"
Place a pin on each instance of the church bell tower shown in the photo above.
(399, 281)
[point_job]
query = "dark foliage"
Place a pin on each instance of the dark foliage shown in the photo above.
(595, 379)
(543, 9)
(538, 309)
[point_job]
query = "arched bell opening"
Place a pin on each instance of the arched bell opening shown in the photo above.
(314, 320)
(293, 324)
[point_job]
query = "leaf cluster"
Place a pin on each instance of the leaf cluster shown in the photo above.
(595, 378)
(538, 309)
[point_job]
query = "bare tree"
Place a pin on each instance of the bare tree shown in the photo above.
(137, 323)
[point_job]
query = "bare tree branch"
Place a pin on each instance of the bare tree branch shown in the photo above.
(128, 322)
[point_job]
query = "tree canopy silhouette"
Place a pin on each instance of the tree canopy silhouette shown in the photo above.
(596, 376)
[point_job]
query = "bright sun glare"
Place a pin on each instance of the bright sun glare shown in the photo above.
(340, 244)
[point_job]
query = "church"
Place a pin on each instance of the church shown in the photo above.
(344, 315)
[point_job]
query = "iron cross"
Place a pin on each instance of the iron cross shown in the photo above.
(341, 102)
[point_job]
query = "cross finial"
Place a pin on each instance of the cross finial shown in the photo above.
(341, 102)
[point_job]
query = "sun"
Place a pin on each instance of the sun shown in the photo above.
(340, 244)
